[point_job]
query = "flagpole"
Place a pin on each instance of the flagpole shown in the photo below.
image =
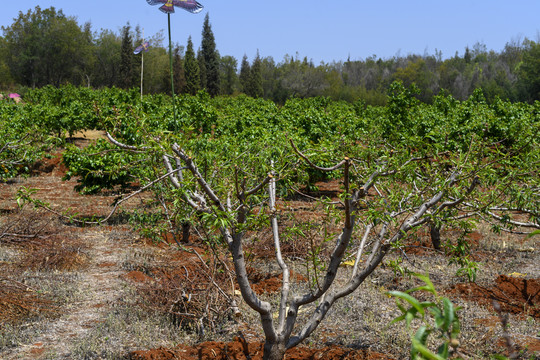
(171, 67)
(142, 65)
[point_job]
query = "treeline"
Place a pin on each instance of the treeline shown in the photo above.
(45, 47)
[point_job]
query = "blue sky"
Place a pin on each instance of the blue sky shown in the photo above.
(320, 30)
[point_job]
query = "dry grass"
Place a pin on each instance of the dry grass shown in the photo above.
(55, 255)
(125, 327)
(19, 301)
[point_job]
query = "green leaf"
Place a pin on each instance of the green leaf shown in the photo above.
(429, 287)
(401, 307)
(409, 317)
(448, 314)
(422, 334)
(498, 357)
(439, 318)
(443, 350)
(535, 232)
(398, 319)
(456, 328)
(424, 351)
(408, 298)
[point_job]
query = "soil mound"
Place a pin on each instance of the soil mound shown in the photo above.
(52, 166)
(270, 283)
(240, 350)
(515, 295)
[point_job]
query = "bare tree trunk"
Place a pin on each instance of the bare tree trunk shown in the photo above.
(435, 232)
(185, 231)
(274, 351)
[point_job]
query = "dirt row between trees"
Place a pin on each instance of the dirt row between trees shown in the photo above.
(97, 287)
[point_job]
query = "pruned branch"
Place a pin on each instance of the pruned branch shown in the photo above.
(513, 222)
(124, 146)
(285, 287)
(115, 207)
(191, 166)
(335, 167)
(257, 188)
(360, 249)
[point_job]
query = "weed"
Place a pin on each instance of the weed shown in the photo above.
(445, 325)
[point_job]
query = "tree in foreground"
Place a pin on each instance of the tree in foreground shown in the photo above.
(387, 194)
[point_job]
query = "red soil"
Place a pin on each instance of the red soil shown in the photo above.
(137, 276)
(240, 350)
(515, 295)
(270, 283)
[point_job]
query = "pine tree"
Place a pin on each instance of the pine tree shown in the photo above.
(255, 78)
(126, 77)
(191, 70)
(202, 69)
(245, 70)
(211, 58)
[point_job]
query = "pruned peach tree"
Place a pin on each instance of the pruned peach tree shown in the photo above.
(21, 142)
(387, 194)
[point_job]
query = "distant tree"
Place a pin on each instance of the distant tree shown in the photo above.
(6, 80)
(245, 74)
(107, 52)
(137, 39)
(157, 76)
(211, 58)
(45, 47)
(255, 87)
(229, 78)
(529, 71)
(89, 61)
(202, 69)
(126, 59)
(270, 80)
(513, 54)
(448, 73)
(418, 73)
(467, 57)
(480, 52)
(191, 70)
(178, 70)
(302, 78)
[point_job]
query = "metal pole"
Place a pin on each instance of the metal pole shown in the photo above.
(142, 66)
(171, 67)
